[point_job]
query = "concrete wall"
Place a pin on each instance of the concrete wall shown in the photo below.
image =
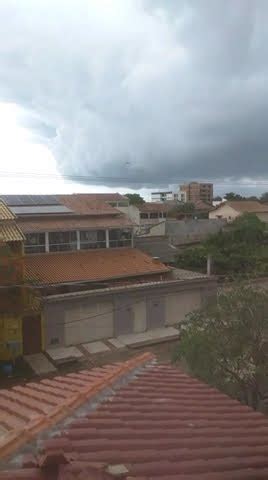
(67, 322)
(188, 231)
(178, 306)
(226, 212)
(263, 216)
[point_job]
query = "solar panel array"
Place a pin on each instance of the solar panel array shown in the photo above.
(39, 209)
(29, 200)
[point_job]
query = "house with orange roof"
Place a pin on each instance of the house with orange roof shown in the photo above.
(230, 210)
(79, 255)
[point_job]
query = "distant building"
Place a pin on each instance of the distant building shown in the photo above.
(230, 210)
(164, 196)
(194, 191)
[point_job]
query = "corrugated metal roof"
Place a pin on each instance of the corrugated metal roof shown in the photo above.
(5, 212)
(90, 266)
(74, 223)
(10, 232)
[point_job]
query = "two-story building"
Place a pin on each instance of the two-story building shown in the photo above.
(79, 254)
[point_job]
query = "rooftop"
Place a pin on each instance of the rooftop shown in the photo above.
(156, 207)
(153, 422)
(250, 206)
(87, 204)
(5, 212)
(82, 223)
(90, 265)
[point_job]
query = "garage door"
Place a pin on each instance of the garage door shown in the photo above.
(155, 312)
(123, 317)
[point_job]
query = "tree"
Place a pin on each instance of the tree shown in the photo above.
(233, 196)
(217, 199)
(135, 198)
(264, 197)
(181, 208)
(225, 342)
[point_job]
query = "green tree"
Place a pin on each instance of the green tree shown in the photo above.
(264, 197)
(225, 342)
(135, 198)
(233, 196)
(181, 208)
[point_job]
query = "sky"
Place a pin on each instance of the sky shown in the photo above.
(105, 95)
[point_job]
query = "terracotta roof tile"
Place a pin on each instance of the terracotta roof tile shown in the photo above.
(243, 206)
(163, 424)
(88, 265)
(29, 409)
(156, 207)
(107, 197)
(74, 223)
(167, 425)
(87, 204)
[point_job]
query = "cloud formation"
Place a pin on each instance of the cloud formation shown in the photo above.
(141, 92)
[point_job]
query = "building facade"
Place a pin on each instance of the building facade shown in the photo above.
(230, 210)
(193, 192)
(164, 196)
(20, 304)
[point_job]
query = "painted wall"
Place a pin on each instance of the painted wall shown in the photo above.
(225, 212)
(67, 322)
(178, 306)
(181, 232)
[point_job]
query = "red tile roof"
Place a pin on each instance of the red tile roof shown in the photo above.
(29, 409)
(87, 204)
(107, 197)
(91, 265)
(244, 206)
(74, 223)
(150, 207)
(162, 425)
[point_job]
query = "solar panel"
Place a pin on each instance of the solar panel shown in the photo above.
(39, 209)
(31, 200)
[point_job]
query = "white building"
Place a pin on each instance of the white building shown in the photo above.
(163, 196)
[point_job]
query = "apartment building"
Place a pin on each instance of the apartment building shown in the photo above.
(194, 191)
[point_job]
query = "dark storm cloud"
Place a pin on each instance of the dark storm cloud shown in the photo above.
(142, 92)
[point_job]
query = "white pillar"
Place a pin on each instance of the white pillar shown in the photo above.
(107, 238)
(46, 242)
(78, 239)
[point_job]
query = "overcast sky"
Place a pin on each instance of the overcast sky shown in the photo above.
(133, 94)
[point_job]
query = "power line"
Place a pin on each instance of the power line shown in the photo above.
(96, 178)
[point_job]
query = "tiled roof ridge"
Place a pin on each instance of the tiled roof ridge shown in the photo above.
(80, 386)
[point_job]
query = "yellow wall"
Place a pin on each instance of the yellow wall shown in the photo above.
(10, 336)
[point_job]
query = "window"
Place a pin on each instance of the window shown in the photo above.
(35, 243)
(92, 239)
(120, 238)
(113, 204)
(62, 241)
(154, 215)
(143, 216)
(122, 204)
(164, 215)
